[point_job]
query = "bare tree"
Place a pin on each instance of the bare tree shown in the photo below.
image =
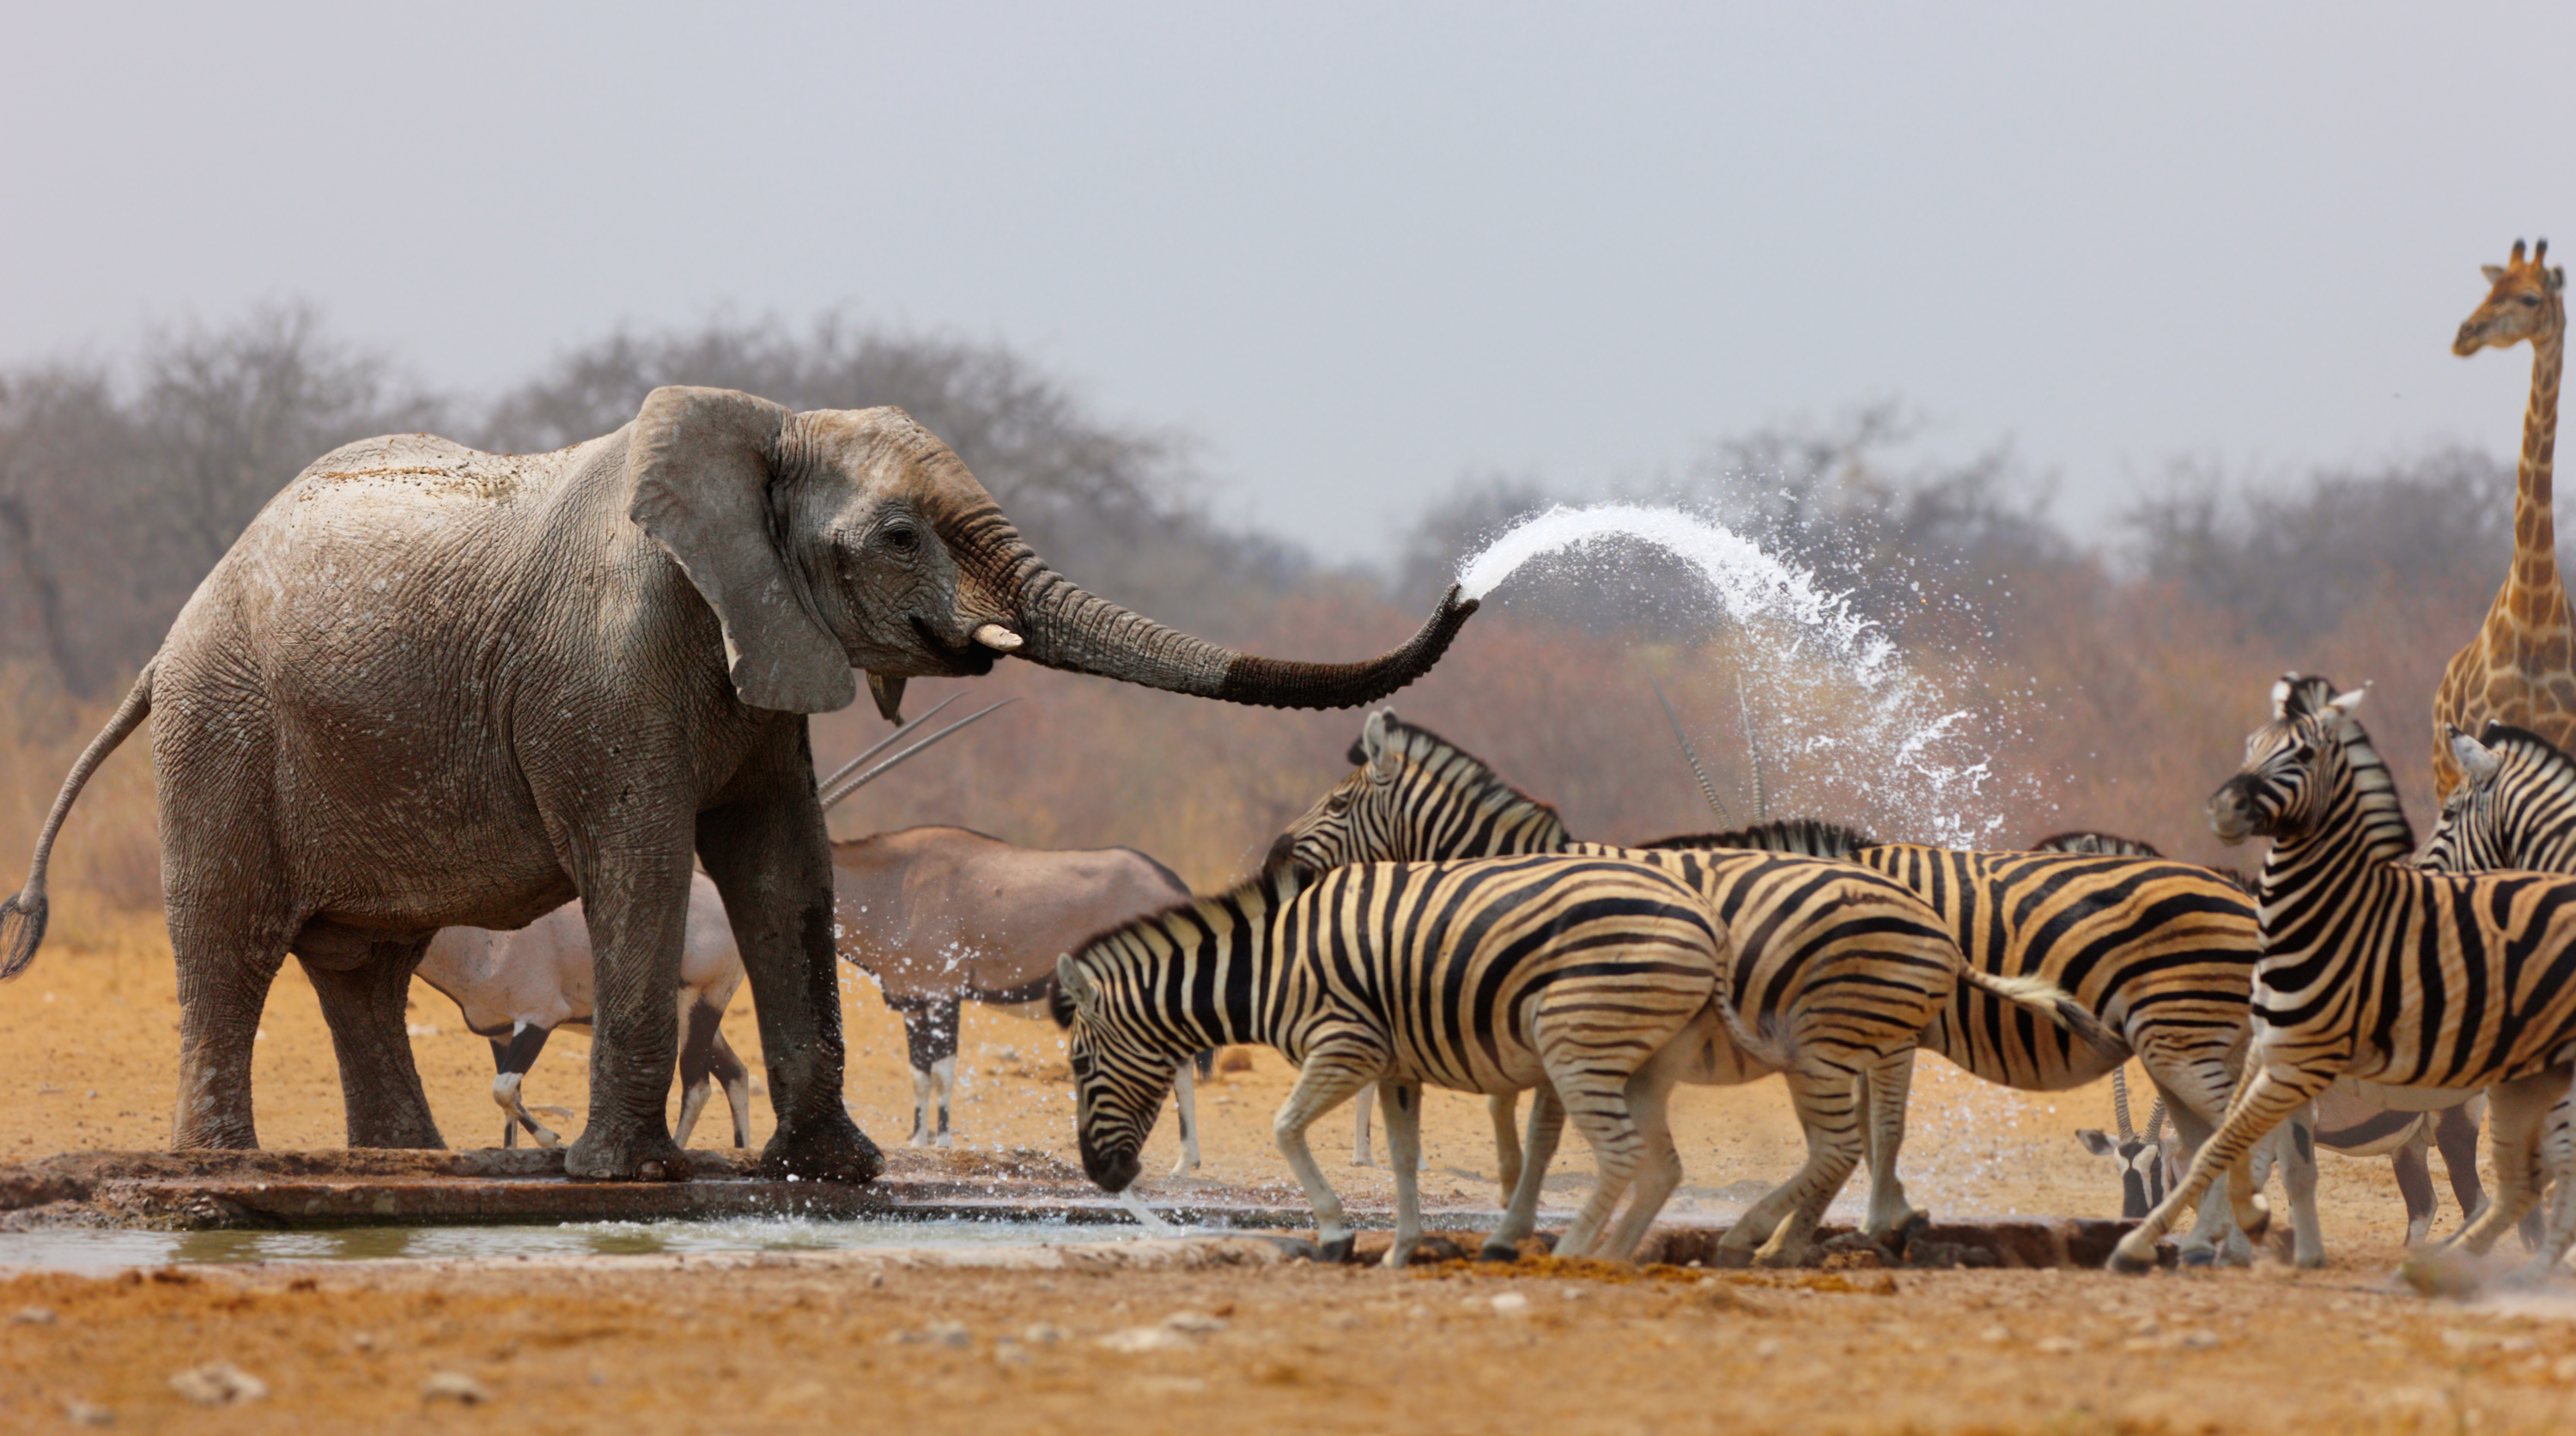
(116, 498)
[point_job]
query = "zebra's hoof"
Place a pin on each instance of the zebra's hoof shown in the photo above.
(1334, 1253)
(1907, 1233)
(2200, 1256)
(2262, 1222)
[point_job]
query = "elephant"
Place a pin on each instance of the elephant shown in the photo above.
(941, 916)
(516, 988)
(430, 686)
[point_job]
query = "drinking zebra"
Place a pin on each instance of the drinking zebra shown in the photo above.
(2378, 969)
(1592, 976)
(1835, 972)
(2159, 953)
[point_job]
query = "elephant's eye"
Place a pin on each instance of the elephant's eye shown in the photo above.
(902, 538)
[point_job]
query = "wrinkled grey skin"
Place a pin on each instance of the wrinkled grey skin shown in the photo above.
(432, 687)
(941, 915)
(516, 988)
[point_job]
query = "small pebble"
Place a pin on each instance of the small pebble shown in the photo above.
(32, 1316)
(2199, 1341)
(1045, 1334)
(2057, 1346)
(219, 1383)
(1511, 1303)
(1194, 1323)
(364, 1341)
(1139, 1339)
(949, 1333)
(88, 1413)
(454, 1386)
(1010, 1353)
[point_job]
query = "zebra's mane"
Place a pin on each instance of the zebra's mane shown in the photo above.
(2085, 840)
(2548, 763)
(2383, 814)
(1814, 837)
(1476, 780)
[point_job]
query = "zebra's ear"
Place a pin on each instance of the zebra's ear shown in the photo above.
(2281, 695)
(2097, 1141)
(2345, 703)
(1075, 984)
(1373, 742)
(2476, 759)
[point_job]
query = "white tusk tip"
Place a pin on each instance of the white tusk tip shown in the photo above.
(997, 638)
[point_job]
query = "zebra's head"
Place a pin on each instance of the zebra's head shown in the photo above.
(2291, 763)
(1119, 1080)
(1416, 797)
(2514, 793)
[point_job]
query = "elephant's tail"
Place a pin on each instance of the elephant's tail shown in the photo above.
(22, 918)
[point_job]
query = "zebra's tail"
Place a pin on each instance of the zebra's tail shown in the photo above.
(2055, 1002)
(22, 917)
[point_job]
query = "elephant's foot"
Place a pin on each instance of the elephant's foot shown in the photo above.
(828, 1149)
(597, 1157)
(1336, 1252)
(1498, 1251)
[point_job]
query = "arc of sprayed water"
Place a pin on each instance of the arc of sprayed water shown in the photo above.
(1707, 789)
(1891, 734)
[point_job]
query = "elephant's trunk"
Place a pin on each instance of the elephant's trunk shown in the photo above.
(1062, 626)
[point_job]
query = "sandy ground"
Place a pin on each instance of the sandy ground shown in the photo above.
(90, 1034)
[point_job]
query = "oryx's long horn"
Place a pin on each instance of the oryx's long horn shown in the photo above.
(2120, 1102)
(1707, 789)
(854, 784)
(888, 741)
(2155, 1120)
(1753, 746)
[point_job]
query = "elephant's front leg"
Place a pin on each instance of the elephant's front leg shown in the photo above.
(380, 1090)
(771, 860)
(636, 906)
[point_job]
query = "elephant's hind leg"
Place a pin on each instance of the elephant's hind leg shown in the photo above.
(223, 987)
(380, 1089)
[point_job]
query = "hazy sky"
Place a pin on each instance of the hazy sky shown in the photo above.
(1358, 250)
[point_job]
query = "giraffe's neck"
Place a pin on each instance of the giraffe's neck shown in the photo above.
(2535, 532)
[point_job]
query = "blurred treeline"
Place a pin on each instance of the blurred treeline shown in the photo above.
(2113, 677)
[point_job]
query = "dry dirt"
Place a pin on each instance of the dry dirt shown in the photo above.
(649, 1347)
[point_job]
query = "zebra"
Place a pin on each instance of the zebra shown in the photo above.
(1835, 972)
(2352, 1118)
(2159, 953)
(2376, 968)
(1587, 975)
(2515, 806)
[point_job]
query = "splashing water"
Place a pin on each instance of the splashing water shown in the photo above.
(1837, 699)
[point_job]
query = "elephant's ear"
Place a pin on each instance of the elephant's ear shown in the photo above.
(699, 466)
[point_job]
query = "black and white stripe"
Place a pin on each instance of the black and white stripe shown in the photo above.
(2379, 970)
(1589, 976)
(1835, 970)
(2159, 953)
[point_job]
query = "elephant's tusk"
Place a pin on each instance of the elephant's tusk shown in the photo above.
(999, 639)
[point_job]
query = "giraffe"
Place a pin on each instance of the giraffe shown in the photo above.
(2518, 668)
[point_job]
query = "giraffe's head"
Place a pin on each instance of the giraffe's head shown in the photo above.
(2523, 303)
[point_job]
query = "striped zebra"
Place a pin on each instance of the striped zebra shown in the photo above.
(2515, 806)
(1586, 975)
(2375, 968)
(1835, 972)
(2159, 953)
